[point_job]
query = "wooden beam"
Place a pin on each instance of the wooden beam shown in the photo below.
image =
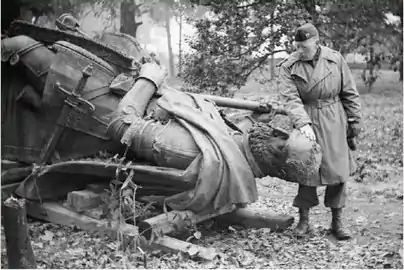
(56, 213)
(257, 218)
(174, 221)
(170, 244)
(81, 200)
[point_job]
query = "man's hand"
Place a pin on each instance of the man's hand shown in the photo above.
(354, 129)
(307, 131)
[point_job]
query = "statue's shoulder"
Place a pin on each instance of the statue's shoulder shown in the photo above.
(289, 61)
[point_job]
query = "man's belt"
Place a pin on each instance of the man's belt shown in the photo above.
(321, 103)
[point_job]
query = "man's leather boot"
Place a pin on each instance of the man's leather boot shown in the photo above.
(337, 228)
(303, 227)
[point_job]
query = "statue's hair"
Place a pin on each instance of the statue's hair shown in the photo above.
(268, 147)
(281, 151)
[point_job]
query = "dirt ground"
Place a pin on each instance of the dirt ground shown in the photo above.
(374, 214)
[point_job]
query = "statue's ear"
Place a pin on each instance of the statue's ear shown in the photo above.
(280, 132)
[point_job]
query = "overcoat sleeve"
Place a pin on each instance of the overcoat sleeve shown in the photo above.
(349, 95)
(290, 97)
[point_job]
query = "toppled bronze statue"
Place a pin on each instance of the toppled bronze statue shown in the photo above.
(53, 114)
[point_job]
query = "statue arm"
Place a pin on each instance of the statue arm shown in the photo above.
(168, 144)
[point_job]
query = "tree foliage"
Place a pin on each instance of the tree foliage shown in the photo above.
(237, 38)
(366, 26)
(161, 12)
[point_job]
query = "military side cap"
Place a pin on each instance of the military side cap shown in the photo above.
(305, 32)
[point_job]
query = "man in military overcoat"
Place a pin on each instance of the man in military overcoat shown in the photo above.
(318, 90)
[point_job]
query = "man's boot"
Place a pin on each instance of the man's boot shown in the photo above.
(337, 228)
(303, 227)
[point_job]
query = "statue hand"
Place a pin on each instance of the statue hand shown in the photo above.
(154, 73)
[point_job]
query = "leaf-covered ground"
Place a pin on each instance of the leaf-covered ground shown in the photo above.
(374, 215)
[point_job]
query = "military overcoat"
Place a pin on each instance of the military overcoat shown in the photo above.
(325, 97)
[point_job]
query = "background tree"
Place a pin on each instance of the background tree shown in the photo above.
(183, 11)
(237, 38)
(129, 9)
(161, 12)
(366, 26)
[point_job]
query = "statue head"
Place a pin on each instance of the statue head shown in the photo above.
(282, 151)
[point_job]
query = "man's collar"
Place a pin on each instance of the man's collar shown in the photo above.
(315, 58)
(317, 54)
(329, 54)
(325, 53)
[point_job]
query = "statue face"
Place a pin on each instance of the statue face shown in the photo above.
(304, 158)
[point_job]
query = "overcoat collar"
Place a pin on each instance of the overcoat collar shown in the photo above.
(321, 70)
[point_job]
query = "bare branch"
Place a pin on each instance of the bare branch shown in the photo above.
(261, 60)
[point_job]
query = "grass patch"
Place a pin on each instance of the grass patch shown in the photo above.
(361, 66)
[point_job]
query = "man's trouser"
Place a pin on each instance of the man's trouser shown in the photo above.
(335, 196)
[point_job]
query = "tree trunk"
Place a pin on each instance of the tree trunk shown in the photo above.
(169, 45)
(175, 221)
(310, 6)
(19, 250)
(273, 55)
(128, 23)
(179, 48)
(371, 63)
(62, 6)
(371, 59)
(401, 41)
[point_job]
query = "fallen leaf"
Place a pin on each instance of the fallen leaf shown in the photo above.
(181, 256)
(193, 250)
(48, 236)
(361, 220)
(197, 235)
(266, 230)
(235, 262)
(250, 245)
